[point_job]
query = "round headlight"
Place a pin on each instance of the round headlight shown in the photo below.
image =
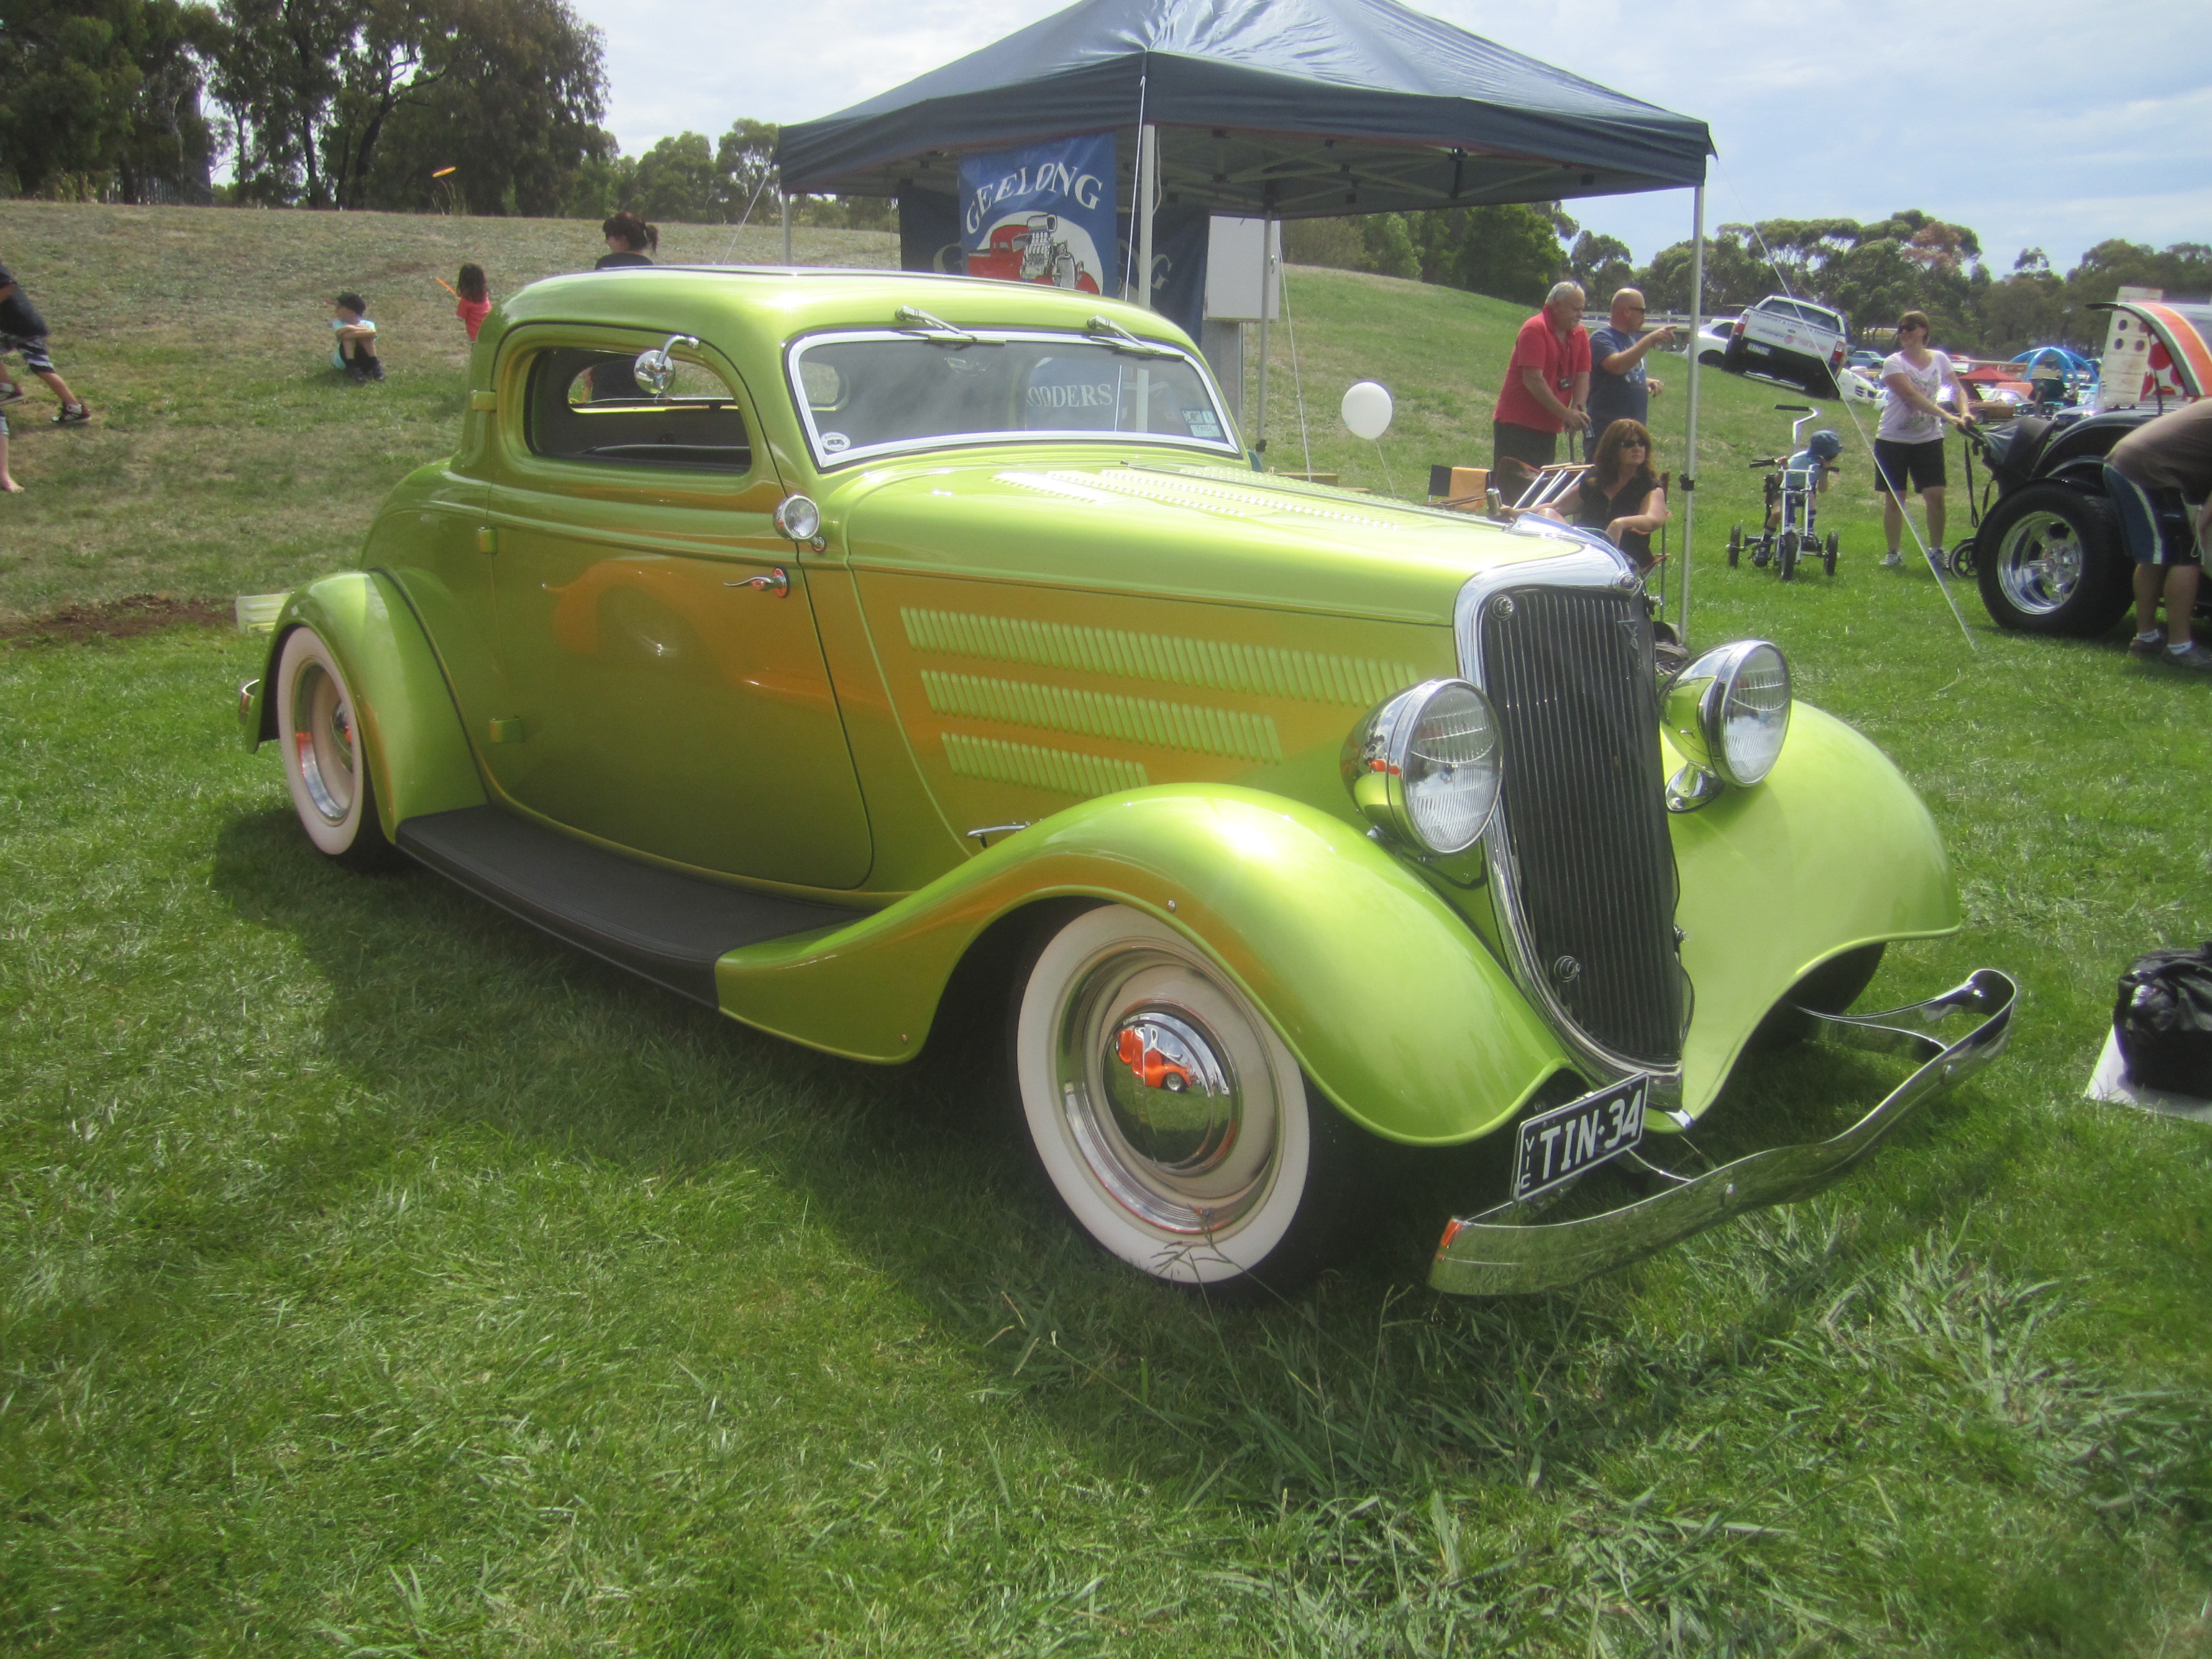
(797, 516)
(1729, 712)
(1424, 766)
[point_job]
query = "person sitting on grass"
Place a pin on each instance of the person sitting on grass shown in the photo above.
(1619, 495)
(355, 350)
(630, 241)
(472, 297)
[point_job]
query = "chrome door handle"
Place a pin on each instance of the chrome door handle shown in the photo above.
(777, 581)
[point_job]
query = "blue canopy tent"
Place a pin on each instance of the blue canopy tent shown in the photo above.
(1279, 109)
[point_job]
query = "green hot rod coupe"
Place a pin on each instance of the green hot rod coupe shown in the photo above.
(854, 651)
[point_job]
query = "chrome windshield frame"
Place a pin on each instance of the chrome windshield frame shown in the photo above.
(1581, 563)
(984, 339)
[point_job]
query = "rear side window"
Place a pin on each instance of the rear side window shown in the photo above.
(585, 405)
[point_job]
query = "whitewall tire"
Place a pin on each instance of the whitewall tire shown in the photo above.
(1171, 1121)
(325, 757)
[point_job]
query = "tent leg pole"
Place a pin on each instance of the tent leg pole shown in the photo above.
(786, 201)
(1268, 276)
(1690, 415)
(1148, 178)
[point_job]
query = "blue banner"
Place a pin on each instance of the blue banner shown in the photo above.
(1043, 214)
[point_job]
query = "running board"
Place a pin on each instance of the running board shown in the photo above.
(666, 926)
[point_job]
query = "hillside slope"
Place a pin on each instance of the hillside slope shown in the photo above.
(228, 457)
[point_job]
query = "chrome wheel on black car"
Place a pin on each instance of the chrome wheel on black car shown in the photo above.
(2049, 562)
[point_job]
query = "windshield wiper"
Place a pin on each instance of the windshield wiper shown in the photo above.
(1108, 331)
(936, 330)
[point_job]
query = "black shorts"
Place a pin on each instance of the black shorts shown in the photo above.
(34, 350)
(1907, 467)
(1522, 443)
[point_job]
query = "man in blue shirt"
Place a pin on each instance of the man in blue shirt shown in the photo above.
(1619, 389)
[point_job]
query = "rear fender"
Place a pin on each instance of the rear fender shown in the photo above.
(1387, 999)
(418, 754)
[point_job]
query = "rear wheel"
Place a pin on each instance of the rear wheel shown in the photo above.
(325, 760)
(1828, 554)
(1735, 544)
(2049, 560)
(1238, 1178)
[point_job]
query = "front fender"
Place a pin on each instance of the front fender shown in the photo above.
(418, 754)
(1387, 998)
(1833, 851)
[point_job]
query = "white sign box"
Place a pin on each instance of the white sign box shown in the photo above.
(1237, 266)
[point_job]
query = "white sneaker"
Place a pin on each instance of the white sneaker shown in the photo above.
(1892, 560)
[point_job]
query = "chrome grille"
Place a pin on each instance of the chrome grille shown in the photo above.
(1571, 675)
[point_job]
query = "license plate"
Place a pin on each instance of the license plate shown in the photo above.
(1578, 1136)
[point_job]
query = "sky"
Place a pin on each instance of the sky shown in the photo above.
(2040, 123)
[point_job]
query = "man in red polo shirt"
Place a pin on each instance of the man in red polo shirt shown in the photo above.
(1546, 383)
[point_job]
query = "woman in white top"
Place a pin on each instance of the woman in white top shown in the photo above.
(1908, 446)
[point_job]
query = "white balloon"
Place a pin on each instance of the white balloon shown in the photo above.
(1367, 410)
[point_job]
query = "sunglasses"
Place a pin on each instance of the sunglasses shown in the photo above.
(1634, 443)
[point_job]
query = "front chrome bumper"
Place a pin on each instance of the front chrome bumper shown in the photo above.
(1493, 1255)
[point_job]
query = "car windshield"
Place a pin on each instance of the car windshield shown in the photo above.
(880, 393)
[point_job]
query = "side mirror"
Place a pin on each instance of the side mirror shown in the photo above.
(654, 369)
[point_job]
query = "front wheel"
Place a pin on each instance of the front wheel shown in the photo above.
(1238, 1178)
(1785, 554)
(2049, 560)
(325, 761)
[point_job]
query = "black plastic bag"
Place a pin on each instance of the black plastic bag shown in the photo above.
(2163, 1020)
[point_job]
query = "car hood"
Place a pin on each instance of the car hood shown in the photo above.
(1174, 529)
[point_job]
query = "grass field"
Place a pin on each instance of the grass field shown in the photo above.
(377, 1278)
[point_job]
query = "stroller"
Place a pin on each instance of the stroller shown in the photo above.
(1793, 497)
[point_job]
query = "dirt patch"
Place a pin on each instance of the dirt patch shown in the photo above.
(116, 619)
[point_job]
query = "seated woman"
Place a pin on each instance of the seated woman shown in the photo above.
(1619, 495)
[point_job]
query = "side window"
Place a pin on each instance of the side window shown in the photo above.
(585, 405)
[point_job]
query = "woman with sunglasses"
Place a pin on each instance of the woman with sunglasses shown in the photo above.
(1908, 444)
(1620, 494)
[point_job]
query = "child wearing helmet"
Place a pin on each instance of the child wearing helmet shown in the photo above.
(1817, 461)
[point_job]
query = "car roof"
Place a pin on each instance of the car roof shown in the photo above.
(780, 301)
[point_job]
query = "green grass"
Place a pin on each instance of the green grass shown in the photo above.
(376, 1276)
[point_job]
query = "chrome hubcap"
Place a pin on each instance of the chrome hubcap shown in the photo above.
(1153, 1095)
(322, 741)
(2040, 562)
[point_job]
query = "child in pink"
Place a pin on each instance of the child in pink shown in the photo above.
(474, 296)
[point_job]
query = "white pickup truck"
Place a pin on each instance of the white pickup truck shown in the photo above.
(1792, 340)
